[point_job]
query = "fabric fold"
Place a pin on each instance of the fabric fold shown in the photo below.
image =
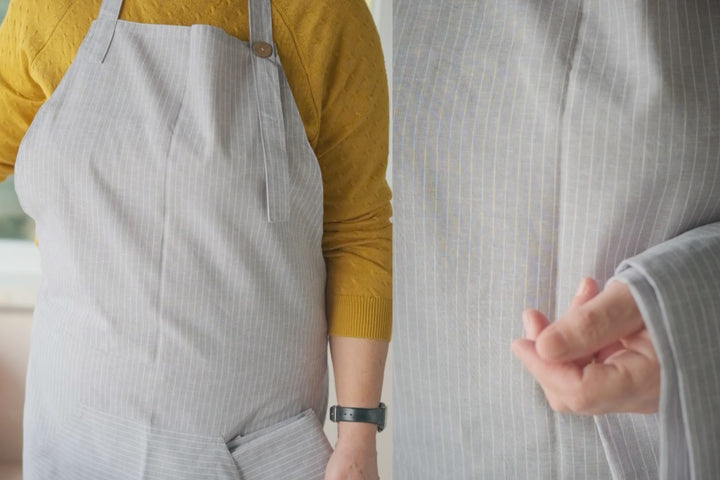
(676, 286)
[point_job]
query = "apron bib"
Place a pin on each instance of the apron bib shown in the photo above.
(180, 328)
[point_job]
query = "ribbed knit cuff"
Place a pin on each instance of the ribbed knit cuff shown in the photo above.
(360, 317)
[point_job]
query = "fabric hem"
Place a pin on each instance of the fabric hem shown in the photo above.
(360, 317)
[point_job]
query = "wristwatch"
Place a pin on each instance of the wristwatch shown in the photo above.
(365, 415)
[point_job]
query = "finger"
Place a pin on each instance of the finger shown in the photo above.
(600, 322)
(641, 394)
(628, 384)
(534, 322)
(582, 361)
(525, 351)
(641, 342)
(587, 289)
(550, 375)
(607, 352)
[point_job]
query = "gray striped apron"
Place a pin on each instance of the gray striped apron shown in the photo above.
(180, 328)
(537, 142)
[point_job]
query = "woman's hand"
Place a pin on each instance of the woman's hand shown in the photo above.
(598, 358)
(355, 456)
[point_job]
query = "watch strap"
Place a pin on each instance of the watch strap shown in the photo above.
(355, 414)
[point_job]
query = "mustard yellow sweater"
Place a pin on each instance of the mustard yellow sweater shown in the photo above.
(331, 54)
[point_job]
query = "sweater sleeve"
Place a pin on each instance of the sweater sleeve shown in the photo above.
(351, 97)
(677, 287)
(20, 94)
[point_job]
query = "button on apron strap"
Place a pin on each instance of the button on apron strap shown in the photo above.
(265, 63)
(104, 29)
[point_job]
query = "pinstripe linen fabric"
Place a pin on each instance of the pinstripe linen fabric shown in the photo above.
(676, 284)
(179, 334)
(537, 142)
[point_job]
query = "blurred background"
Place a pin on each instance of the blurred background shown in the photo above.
(19, 279)
(13, 223)
(19, 276)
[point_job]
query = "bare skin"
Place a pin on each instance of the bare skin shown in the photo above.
(597, 358)
(359, 365)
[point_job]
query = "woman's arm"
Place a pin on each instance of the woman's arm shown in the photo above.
(359, 365)
(23, 32)
(339, 50)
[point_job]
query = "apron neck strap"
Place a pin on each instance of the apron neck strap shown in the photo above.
(110, 9)
(261, 29)
(266, 68)
(104, 29)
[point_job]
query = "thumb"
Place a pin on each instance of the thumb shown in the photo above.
(534, 323)
(586, 290)
(601, 321)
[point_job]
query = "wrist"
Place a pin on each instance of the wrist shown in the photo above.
(357, 433)
(373, 416)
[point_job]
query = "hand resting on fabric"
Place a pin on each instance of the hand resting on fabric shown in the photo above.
(597, 358)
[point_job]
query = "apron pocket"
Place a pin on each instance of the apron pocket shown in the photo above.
(295, 449)
(93, 444)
